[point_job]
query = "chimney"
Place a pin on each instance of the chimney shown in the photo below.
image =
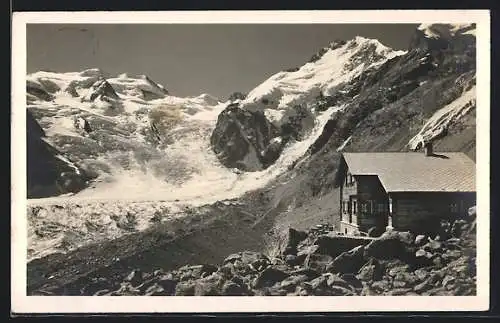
(428, 149)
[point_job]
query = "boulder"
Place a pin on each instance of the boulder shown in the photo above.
(421, 274)
(155, 290)
(404, 279)
(126, 289)
(318, 282)
(292, 282)
(209, 286)
(432, 246)
(420, 240)
(334, 245)
(395, 270)
(306, 250)
(292, 260)
(423, 286)
(348, 262)
(186, 288)
(95, 286)
(310, 273)
(472, 212)
(458, 228)
(352, 280)
(246, 257)
(268, 277)
(230, 288)
(318, 262)
(168, 285)
(381, 286)
(341, 291)
(135, 277)
(375, 232)
(371, 271)
(392, 245)
(328, 284)
(450, 255)
(336, 280)
(400, 291)
(448, 282)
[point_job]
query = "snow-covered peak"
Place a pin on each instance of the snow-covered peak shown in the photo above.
(207, 99)
(447, 31)
(335, 65)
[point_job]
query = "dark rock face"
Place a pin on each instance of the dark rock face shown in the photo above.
(296, 123)
(237, 96)
(48, 174)
(102, 89)
(243, 139)
(38, 91)
(293, 240)
(247, 140)
(333, 45)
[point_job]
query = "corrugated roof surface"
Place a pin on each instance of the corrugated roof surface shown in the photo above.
(415, 172)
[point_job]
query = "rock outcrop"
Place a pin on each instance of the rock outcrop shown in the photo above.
(245, 140)
(48, 171)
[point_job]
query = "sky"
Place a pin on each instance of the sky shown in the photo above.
(191, 59)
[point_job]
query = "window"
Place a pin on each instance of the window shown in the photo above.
(354, 207)
(367, 207)
(454, 207)
(380, 207)
(349, 179)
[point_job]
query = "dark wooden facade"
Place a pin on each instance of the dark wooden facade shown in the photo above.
(365, 204)
(422, 211)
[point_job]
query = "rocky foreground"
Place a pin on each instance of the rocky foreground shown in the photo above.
(322, 262)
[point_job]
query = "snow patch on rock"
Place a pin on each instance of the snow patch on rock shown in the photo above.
(439, 122)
